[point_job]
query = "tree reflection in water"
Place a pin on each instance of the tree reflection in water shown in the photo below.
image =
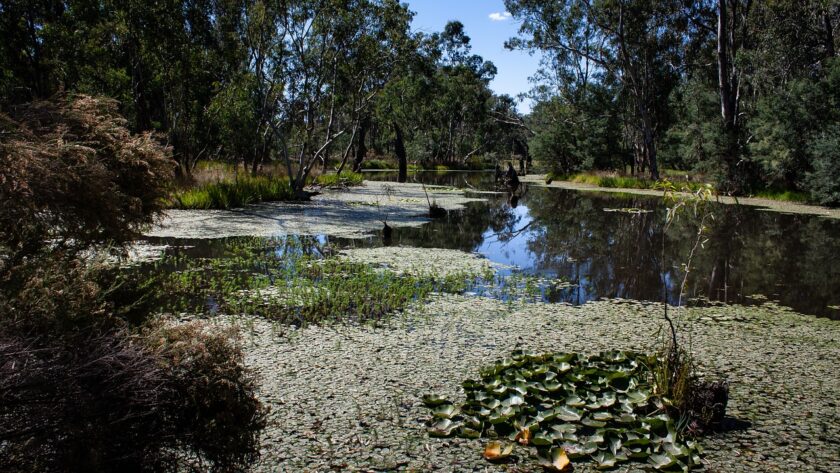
(568, 234)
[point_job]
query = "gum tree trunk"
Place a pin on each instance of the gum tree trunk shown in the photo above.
(399, 150)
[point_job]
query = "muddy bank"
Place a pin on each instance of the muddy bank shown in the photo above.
(346, 213)
(348, 397)
(764, 204)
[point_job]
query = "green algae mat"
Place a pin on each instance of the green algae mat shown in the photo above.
(566, 408)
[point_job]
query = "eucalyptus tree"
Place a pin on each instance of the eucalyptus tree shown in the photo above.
(321, 65)
(402, 105)
(635, 44)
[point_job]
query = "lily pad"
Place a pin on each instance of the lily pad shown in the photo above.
(605, 460)
(596, 408)
(495, 451)
(568, 414)
(445, 411)
(432, 400)
(662, 461)
(443, 428)
(557, 460)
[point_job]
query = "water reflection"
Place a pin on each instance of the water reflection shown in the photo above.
(564, 234)
(792, 259)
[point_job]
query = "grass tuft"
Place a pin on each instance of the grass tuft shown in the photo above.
(346, 178)
(236, 193)
(785, 196)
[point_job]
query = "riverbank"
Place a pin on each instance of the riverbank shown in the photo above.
(348, 397)
(764, 204)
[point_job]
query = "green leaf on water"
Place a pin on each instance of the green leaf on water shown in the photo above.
(445, 411)
(575, 401)
(568, 414)
(662, 461)
(432, 400)
(605, 460)
(590, 422)
(542, 439)
(443, 428)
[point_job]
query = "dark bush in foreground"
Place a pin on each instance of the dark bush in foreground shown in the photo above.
(85, 384)
(107, 400)
(215, 414)
(80, 390)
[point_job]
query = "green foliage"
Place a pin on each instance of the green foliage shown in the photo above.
(283, 281)
(572, 137)
(600, 408)
(378, 164)
(614, 181)
(83, 386)
(694, 142)
(824, 181)
(259, 81)
(228, 194)
(346, 178)
(785, 195)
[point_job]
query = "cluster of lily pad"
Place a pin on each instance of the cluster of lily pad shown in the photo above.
(567, 407)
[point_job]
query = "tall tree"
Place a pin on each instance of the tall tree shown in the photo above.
(634, 43)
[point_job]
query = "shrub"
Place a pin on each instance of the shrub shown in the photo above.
(80, 388)
(85, 403)
(105, 399)
(378, 164)
(824, 182)
(73, 172)
(215, 416)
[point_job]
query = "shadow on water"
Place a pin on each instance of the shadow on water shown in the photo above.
(751, 255)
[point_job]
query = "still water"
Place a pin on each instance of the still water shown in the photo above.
(751, 255)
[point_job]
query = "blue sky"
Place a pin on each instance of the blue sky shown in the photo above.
(487, 36)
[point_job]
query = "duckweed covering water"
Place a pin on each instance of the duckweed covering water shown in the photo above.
(597, 408)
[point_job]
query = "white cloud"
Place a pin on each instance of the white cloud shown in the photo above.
(499, 16)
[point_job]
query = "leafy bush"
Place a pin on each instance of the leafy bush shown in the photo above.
(81, 389)
(378, 164)
(215, 416)
(71, 166)
(824, 182)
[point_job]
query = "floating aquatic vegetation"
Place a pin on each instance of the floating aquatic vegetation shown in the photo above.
(567, 408)
(291, 281)
(630, 210)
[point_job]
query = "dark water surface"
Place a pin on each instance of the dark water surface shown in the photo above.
(750, 254)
